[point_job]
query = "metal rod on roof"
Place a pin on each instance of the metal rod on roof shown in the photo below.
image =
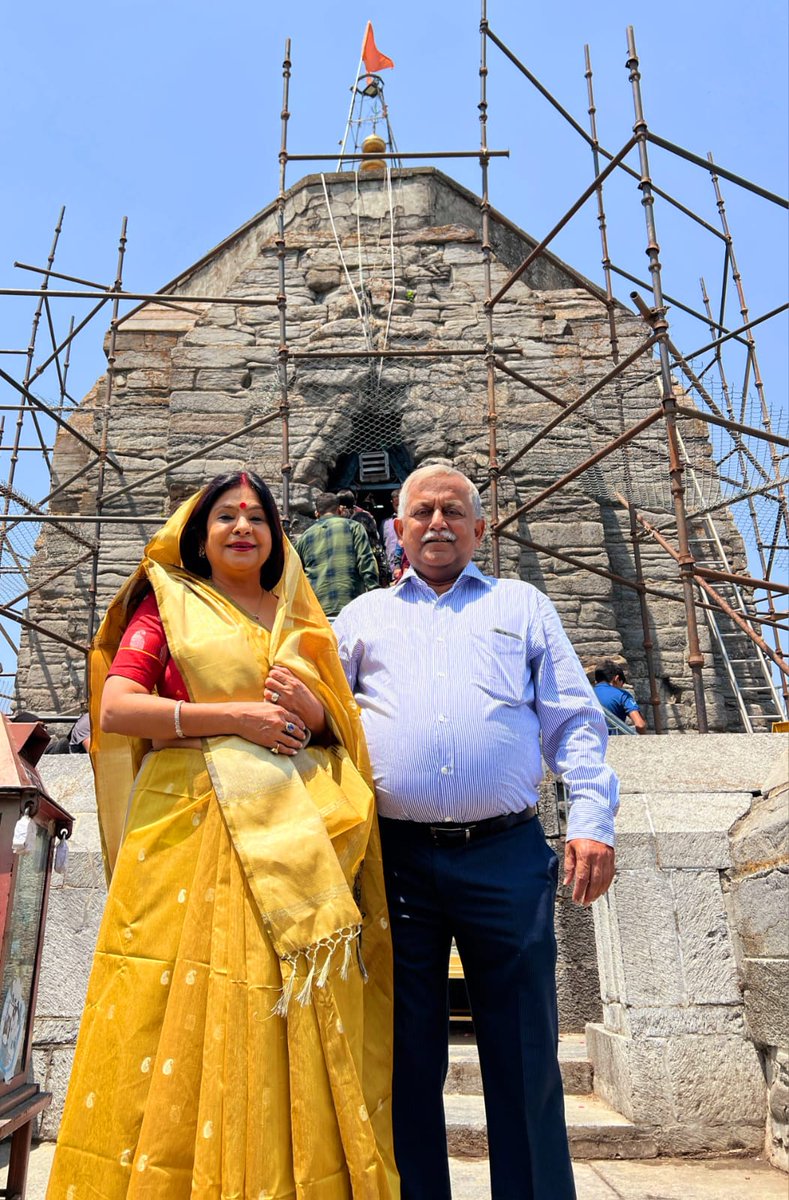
(282, 301)
(646, 628)
(715, 596)
(173, 464)
(781, 201)
(99, 287)
(669, 299)
(734, 333)
(350, 111)
(580, 130)
(745, 581)
(601, 220)
(31, 349)
(529, 383)
(402, 353)
(765, 562)
(148, 297)
(66, 365)
(105, 431)
(56, 575)
(52, 414)
(398, 154)
(573, 561)
(659, 323)
(66, 519)
(569, 476)
(487, 253)
(50, 274)
(41, 368)
(5, 611)
(569, 409)
(560, 224)
(775, 439)
(752, 357)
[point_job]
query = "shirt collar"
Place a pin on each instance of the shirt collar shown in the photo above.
(470, 572)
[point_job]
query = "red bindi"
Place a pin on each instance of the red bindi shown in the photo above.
(243, 504)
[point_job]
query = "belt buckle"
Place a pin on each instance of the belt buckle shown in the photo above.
(440, 834)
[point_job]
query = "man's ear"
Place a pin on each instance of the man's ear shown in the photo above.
(479, 530)
(398, 527)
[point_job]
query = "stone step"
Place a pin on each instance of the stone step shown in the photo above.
(464, 1078)
(596, 1130)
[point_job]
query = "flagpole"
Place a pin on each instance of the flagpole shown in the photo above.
(353, 101)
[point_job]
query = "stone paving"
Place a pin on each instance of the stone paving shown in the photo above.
(657, 1179)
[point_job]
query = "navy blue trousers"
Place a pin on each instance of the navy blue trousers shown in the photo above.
(495, 896)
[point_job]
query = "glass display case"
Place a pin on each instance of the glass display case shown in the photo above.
(31, 824)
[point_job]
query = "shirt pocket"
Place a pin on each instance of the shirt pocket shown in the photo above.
(499, 665)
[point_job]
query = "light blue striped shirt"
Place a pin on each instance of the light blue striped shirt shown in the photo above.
(457, 693)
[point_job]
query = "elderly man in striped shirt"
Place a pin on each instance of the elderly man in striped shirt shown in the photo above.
(464, 681)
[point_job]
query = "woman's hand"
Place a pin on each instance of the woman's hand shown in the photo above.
(278, 727)
(129, 708)
(283, 687)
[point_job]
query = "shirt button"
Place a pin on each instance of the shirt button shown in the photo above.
(446, 770)
(441, 717)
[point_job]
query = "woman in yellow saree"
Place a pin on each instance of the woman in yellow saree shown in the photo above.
(230, 1046)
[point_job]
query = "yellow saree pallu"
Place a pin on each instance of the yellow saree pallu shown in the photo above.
(230, 1046)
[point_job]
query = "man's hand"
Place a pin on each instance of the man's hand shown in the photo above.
(591, 865)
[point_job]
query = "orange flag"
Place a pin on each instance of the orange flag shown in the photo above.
(374, 60)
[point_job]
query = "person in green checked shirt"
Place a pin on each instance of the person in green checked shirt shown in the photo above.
(337, 557)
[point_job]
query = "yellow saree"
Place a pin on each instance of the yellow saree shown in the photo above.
(230, 1047)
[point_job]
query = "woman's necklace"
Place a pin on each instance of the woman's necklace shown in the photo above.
(254, 615)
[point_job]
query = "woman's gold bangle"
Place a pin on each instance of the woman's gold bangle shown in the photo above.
(177, 719)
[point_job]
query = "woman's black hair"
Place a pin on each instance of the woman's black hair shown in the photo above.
(194, 534)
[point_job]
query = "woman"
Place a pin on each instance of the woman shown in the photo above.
(230, 1047)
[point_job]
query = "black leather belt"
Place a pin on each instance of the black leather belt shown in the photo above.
(452, 833)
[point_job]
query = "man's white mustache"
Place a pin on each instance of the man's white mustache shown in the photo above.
(439, 537)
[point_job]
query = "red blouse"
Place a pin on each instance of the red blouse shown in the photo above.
(144, 655)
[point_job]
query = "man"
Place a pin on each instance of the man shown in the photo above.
(609, 687)
(350, 509)
(336, 556)
(391, 541)
(458, 676)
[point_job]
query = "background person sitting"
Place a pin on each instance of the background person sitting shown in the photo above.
(615, 701)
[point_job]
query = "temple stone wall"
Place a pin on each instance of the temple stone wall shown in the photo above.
(184, 379)
(757, 892)
(692, 945)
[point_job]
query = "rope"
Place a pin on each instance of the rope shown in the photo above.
(339, 251)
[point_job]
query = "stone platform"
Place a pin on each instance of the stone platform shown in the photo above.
(661, 1179)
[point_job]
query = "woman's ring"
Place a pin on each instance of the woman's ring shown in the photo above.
(275, 748)
(275, 697)
(290, 727)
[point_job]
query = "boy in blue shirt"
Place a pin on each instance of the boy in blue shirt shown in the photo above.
(609, 689)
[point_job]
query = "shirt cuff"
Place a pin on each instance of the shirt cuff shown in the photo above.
(588, 819)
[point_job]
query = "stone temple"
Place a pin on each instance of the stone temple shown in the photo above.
(682, 989)
(397, 264)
